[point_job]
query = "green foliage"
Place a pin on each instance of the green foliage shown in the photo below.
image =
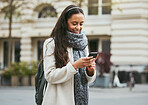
(34, 67)
(5, 0)
(15, 68)
(12, 10)
(20, 69)
(6, 73)
(24, 68)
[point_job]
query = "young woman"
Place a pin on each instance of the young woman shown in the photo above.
(67, 67)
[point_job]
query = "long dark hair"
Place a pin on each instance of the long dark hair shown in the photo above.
(59, 34)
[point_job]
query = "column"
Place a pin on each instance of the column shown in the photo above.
(26, 47)
(129, 41)
(27, 21)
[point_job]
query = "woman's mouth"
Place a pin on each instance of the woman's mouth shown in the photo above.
(77, 32)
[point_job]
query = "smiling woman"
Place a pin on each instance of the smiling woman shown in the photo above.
(67, 68)
(75, 23)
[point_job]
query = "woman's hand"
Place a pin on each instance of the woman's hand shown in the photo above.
(90, 69)
(84, 62)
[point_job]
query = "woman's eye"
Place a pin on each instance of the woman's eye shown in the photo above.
(74, 24)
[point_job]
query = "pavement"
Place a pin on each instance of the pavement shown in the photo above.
(119, 96)
(97, 96)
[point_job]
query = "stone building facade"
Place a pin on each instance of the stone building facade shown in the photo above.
(119, 27)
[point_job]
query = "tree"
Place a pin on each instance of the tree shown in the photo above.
(10, 10)
(79, 2)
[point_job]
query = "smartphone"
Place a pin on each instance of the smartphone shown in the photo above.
(94, 54)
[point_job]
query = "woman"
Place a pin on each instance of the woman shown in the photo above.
(67, 68)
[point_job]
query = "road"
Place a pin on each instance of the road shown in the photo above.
(98, 96)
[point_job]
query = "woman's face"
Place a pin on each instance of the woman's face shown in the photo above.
(75, 23)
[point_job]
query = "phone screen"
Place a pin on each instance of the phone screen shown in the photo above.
(94, 54)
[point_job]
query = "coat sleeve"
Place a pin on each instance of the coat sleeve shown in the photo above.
(52, 74)
(90, 78)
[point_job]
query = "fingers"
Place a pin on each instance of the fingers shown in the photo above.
(92, 60)
(97, 56)
(84, 62)
(88, 59)
(89, 62)
(92, 66)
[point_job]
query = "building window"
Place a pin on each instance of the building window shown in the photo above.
(99, 7)
(47, 11)
(93, 45)
(106, 46)
(106, 6)
(15, 52)
(93, 7)
(5, 56)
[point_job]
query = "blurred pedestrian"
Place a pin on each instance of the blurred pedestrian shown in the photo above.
(131, 76)
(116, 81)
(67, 68)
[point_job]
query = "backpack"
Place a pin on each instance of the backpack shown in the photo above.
(40, 84)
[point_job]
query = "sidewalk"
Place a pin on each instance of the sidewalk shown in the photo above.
(119, 96)
(17, 96)
(98, 96)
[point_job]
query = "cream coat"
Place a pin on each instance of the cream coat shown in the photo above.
(60, 88)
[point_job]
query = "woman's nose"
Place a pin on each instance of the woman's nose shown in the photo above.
(78, 27)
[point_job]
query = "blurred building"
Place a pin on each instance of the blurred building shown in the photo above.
(119, 27)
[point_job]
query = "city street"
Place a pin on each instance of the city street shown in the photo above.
(119, 96)
(98, 96)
